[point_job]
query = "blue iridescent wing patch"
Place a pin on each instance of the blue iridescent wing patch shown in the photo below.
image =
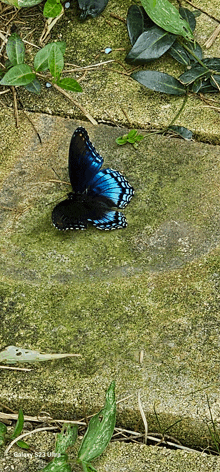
(96, 193)
(111, 184)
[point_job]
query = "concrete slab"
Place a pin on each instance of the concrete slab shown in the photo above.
(118, 457)
(142, 304)
(152, 288)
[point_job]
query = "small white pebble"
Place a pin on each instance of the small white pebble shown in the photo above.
(48, 85)
(108, 50)
(67, 5)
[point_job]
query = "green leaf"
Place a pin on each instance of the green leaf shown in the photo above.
(183, 132)
(22, 444)
(215, 81)
(3, 431)
(69, 84)
(196, 49)
(165, 15)
(42, 56)
(28, 3)
(189, 17)
(122, 140)
(34, 87)
(150, 45)
(52, 8)
(88, 467)
(100, 429)
(212, 63)
(66, 438)
(137, 22)
(15, 49)
(133, 136)
(18, 75)
(8, 64)
(194, 73)
(178, 52)
(207, 87)
(159, 82)
(19, 425)
(55, 61)
(59, 464)
(196, 85)
(132, 133)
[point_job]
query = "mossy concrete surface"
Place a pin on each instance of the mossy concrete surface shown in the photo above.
(141, 305)
(118, 457)
(109, 94)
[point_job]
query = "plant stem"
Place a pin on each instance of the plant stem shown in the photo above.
(179, 112)
(164, 130)
(192, 54)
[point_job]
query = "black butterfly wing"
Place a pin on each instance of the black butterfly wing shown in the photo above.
(112, 184)
(84, 160)
(77, 210)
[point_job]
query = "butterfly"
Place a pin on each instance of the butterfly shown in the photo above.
(91, 7)
(96, 193)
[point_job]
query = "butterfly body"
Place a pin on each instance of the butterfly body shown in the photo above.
(96, 193)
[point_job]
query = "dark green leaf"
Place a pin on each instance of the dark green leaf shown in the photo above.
(22, 444)
(100, 429)
(42, 56)
(196, 49)
(195, 72)
(178, 52)
(159, 82)
(69, 84)
(212, 63)
(52, 8)
(55, 61)
(18, 75)
(165, 15)
(34, 87)
(66, 438)
(137, 22)
(59, 464)
(207, 87)
(196, 13)
(183, 132)
(3, 431)
(15, 49)
(189, 17)
(215, 81)
(150, 45)
(196, 85)
(19, 425)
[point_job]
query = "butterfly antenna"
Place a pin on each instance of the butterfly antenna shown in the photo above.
(54, 201)
(56, 173)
